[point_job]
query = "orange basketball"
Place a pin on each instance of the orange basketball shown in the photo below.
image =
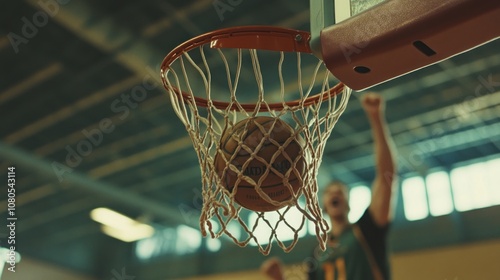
(252, 147)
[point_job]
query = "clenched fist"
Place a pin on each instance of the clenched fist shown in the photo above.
(372, 103)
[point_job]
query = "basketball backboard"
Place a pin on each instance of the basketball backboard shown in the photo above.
(325, 13)
(344, 9)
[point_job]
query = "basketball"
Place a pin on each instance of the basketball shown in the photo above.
(255, 152)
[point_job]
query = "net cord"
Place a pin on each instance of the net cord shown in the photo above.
(205, 131)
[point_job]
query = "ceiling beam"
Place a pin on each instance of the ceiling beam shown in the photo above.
(18, 157)
(70, 110)
(414, 152)
(31, 81)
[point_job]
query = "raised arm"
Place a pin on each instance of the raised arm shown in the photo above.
(383, 186)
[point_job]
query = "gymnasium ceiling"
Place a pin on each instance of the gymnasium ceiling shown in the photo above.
(69, 75)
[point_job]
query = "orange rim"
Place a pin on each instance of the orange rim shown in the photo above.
(248, 37)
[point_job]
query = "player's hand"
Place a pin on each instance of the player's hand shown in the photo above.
(273, 268)
(372, 103)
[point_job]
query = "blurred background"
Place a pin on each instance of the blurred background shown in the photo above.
(97, 147)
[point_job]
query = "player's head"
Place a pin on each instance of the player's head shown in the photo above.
(336, 200)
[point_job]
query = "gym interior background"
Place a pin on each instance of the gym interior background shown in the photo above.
(87, 124)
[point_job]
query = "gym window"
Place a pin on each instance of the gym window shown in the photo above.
(464, 188)
(359, 199)
(414, 198)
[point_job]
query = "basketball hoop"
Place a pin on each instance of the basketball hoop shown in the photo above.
(217, 82)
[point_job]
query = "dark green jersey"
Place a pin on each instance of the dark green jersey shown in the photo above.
(359, 253)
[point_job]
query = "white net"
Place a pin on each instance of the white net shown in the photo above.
(258, 150)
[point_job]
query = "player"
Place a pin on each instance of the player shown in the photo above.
(357, 251)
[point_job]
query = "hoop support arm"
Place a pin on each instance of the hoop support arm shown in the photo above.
(397, 37)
